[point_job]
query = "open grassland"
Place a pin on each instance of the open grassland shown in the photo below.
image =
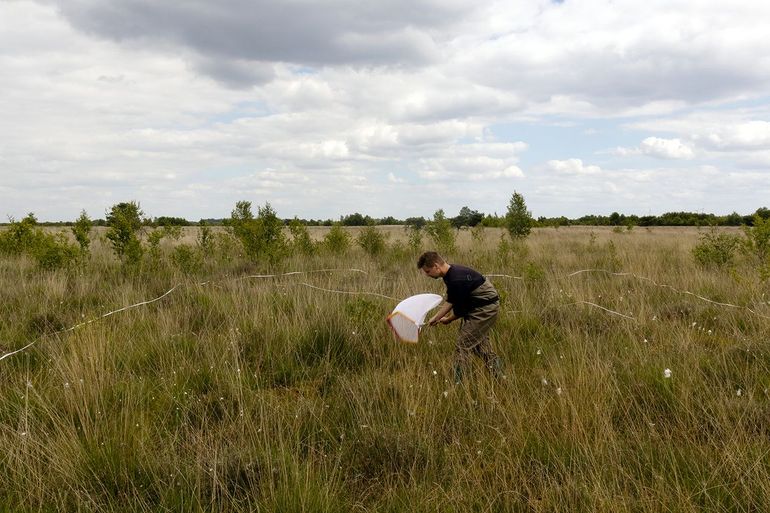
(270, 394)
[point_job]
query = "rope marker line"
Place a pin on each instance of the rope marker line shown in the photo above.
(169, 291)
(6, 355)
(92, 320)
(348, 291)
(663, 285)
(601, 307)
(292, 273)
(172, 289)
(504, 276)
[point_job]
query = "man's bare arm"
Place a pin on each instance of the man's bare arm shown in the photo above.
(442, 312)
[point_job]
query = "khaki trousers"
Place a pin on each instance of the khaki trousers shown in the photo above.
(473, 337)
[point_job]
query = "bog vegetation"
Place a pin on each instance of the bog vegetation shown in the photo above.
(240, 392)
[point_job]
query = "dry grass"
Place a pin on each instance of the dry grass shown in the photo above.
(267, 395)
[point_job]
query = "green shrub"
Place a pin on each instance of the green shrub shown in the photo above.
(153, 242)
(715, 248)
(205, 238)
(415, 237)
(758, 240)
(172, 231)
(20, 236)
(301, 242)
(227, 247)
(54, 252)
(187, 259)
(262, 237)
(518, 220)
(371, 240)
(337, 240)
(441, 232)
(125, 221)
(81, 230)
(49, 251)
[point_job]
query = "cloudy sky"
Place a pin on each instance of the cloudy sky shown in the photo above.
(388, 107)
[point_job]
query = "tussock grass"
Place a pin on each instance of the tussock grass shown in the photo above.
(267, 395)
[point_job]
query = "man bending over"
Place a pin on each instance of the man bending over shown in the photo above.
(472, 298)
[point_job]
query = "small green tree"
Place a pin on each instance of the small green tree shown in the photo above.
(371, 240)
(441, 232)
(758, 243)
(337, 240)
(54, 251)
(153, 243)
(467, 217)
(715, 248)
(492, 221)
(81, 229)
(758, 238)
(417, 222)
(205, 237)
(301, 242)
(21, 236)
(125, 221)
(414, 234)
(243, 226)
(355, 220)
(274, 245)
(518, 220)
(262, 237)
(49, 251)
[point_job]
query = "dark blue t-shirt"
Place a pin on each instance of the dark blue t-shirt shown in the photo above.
(460, 282)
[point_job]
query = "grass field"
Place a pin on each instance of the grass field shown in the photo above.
(270, 394)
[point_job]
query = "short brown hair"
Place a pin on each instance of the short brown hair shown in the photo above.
(429, 259)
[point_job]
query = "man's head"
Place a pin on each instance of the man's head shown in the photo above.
(432, 264)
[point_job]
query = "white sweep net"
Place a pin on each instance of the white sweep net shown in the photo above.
(409, 315)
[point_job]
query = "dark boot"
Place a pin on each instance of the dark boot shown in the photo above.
(496, 368)
(458, 374)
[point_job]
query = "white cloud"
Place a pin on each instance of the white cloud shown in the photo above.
(650, 190)
(303, 32)
(357, 104)
(740, 135)
(748, 135)
(630, 56)
(572, 167)
(670, 149)
(666, 148)
(473, 162)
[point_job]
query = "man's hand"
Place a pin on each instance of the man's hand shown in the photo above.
(447, 319)
(443, 312)
(443, 320)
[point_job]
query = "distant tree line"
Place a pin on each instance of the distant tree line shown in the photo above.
(667, 219)
(468, 217)
(265, 239)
